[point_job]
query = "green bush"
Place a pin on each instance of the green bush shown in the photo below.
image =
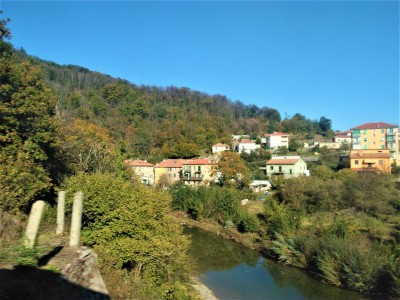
(290, 250)
(127, 225)
(248, 222)
(280, 219)
(343, 262)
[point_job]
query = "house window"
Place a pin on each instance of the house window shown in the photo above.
(365, 147)
(271, 168)
(356, 162)
(373, 135)
(290, 170)
(383, 147)
(381, 162)
(373, 143)
(365, 139)
(199, 168)
(365, 132)
(382, 130)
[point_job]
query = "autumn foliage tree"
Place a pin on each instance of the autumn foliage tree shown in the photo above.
(87, 147)
(233, 170)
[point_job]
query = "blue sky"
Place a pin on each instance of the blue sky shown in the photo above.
(336, 59)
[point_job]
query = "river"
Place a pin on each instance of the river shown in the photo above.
(232, 271)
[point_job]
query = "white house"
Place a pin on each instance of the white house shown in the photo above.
(247, 146)
(343, 137)
(276, 140)
(217, 148)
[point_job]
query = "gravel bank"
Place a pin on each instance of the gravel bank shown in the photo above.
(205, 292)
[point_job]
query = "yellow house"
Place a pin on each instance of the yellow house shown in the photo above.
(198, 171)
(171, 167)
(370, 160)
(143, 169)
(377, 136)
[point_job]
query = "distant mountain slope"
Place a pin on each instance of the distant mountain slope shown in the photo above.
(155, 121)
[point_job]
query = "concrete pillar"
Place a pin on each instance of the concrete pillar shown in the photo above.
(76, 222)
(33, 223)
(60, 213)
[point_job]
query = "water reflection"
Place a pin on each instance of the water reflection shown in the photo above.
(235, 272)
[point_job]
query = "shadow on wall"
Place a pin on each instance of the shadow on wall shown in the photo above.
(36, 284)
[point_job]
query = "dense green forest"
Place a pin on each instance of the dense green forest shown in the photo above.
(182, 122)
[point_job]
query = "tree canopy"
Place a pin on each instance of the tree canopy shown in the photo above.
(232, 170)
(27, 133)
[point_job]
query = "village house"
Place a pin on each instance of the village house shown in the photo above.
(247, 146)
(343, 137)
(218, 148)
(287, 166)
(276, 140)
(375, 136)
(172, 168)
(198, 171)
(143, 169)
(370, 161)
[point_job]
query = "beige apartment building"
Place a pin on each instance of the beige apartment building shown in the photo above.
(377, 136)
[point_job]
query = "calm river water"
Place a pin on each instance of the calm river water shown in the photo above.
(232, 271)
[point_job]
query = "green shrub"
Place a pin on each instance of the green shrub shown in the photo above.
(248, 222)
(279, 219)
(290, 250)
(343, 262)
(128, 227)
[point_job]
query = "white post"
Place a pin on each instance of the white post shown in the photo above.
(76, 221)
(60, 213)
(33, 223)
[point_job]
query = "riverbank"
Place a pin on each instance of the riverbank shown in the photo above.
(204, 291)
(249, 240)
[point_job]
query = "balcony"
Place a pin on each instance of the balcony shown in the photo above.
(390, 133)
(187, 176)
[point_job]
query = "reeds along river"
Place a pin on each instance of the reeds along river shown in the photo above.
(232, 271)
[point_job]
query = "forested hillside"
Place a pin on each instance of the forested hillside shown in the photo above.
(157, 122)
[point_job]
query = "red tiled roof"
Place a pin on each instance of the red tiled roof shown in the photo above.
(377, 125)
(170, 163)
(198, 161)
(370, 155)
(282, 161)
(137, 163)
(220, 145)
(347, 132)
(244, 141)
(275, 134)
